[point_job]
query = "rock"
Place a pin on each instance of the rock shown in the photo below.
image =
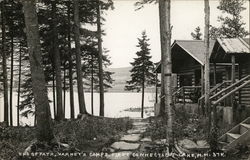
(146, 139)
(124, 155)
(140, 123)
(161, 141)
(131, 138)
(202, 143)
(108, 150)
(145, 147)
(188, 144)
(136, 131)
(136, 119)
(124, 146)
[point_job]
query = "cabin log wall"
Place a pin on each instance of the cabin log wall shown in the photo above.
(245, 92)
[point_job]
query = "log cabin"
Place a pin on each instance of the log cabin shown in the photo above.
(229, 74)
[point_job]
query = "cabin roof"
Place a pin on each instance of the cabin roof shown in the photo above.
(195, 48)
(234, 45)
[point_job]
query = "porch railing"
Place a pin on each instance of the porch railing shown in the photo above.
(230, 90)
(214, 90)
(186, 94)
(222, 91)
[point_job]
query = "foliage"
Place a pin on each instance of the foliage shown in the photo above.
(143, 67)
(232, 25)
(91, 133)
(64, 28)
(140, 3)
(196, 35)
(186, 125)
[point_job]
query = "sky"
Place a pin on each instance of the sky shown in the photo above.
(124, 25)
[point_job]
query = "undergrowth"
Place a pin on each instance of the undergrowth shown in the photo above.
(186, 125)
(89, 134)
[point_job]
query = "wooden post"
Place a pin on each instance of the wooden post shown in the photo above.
(202, 80)
(202, 89)
(156, 90)
(233, 81)
(214, 73)
(233, 69)
(183, 95)
(239, 72)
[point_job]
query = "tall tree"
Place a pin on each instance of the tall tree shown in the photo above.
(71, 88)
(212, 135)
(19, 83)
(196, 35)
(100, 73)
(206, 43)
(11, 75)
(44, 130)
(232, 25)
(81, 99)
(142, 72)
(4, 63)
(166, 72)
(57, 62)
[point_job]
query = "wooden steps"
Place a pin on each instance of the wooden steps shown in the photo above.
(238, 135)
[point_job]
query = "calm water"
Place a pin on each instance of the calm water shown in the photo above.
(115, 104)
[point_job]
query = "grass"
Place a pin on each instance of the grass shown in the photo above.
(88, 135)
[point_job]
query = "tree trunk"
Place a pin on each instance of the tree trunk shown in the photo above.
(162, 12)
(99, 30)
(57, 61)
(11, 78)
(71, 89)
(212, 134)
(82, 107)
(207, 69)
(5, 77)
(142, 99)
(167, 64)
(54, 93)
(92, 84)
(64, 89)
(19, 83)
(44, 128)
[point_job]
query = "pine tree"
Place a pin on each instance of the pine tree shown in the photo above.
(81, 99)
(232, 25)
(44, 129)
(196, 35)
(142, 72)
(100, 73)
(4, 62)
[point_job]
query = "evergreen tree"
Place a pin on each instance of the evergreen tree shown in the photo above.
(232, 25)
(4, 62)
(196, 35)
(87, 12)
(44, 128)
(142, 72)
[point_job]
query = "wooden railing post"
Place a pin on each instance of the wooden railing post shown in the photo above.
(183, 90)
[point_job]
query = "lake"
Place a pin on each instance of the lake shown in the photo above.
(115, 104)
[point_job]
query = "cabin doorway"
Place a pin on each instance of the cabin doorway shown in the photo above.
(197, 75)
(185, 80)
